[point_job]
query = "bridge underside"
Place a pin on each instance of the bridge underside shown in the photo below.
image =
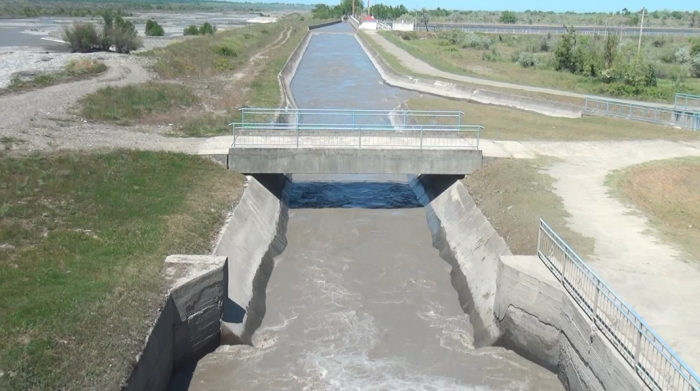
(354, 161)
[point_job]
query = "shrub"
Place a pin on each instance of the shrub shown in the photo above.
(82, 37)
(226, 51)
(658, 42)
(528, 60)
(668, 56)
(207, 28)
(544, 44)
(695, 66)
(508, 17)
(122, 35)
(492, 56)
(191, 30)
(683, 55)
(153, 29)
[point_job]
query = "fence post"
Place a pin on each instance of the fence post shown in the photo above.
(595, 304)
(630, 111)
(360, 141)
(353, 119)
(405, 124)
(539, 239)
(421, 137)
(607, 108)
(638, 349)
(234, 136)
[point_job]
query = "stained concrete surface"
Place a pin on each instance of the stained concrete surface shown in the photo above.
(360, 299)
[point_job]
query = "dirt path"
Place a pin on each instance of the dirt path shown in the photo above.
(656, 278)
(421, 67)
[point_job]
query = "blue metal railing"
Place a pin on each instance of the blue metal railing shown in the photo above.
(653, 360)
(678, 117)
(687, 102)
(354, 128)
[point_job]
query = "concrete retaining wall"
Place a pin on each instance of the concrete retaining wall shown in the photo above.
(515, 301)
(464, 92)
(255, 235)
(188, 326)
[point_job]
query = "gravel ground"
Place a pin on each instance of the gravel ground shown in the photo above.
(34, 60)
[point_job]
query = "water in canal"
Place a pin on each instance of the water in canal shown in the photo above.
(360, 299)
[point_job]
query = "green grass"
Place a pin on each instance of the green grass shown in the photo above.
(202, 55)
(668, 193)
(503, 123)
(390, 59)
(470, 62)
(123, 104)
(205, 125)
(514, 194)
(82, 243)
(74, 70)
(261, 89)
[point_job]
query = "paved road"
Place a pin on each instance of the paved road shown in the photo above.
(421, 67)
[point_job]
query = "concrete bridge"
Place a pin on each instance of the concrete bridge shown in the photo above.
(354, 142)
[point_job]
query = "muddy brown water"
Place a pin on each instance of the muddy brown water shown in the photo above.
(359, 299)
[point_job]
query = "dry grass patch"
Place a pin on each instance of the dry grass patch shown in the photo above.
(72, 71)
(668, 192)
(514, 195)
(82, 243)
(502, 123)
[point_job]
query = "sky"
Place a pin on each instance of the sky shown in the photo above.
(541, 5)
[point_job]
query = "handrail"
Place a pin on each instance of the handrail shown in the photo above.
(653, 114)
(345, 111)
(692, 102)
(653, 360)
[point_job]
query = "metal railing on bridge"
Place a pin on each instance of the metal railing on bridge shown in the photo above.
(390, 129)
(682, 118)
(687, 102)
(656, 364)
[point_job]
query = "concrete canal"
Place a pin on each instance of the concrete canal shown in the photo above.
(359, 299)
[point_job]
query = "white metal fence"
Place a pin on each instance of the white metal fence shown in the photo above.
(655, 363)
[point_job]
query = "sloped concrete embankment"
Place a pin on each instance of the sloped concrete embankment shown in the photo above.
(188, 326)
(211, 300)
(255, 235)
(515, 301)
(464, 92)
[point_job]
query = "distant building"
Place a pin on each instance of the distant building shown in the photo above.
(402, 26)
(368, 23)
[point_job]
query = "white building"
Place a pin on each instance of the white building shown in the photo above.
(368, 23)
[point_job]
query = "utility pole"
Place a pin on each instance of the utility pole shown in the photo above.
(641, 31)
(353, 8)
(369, 9)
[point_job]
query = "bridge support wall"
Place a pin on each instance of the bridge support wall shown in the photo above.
(353, 161)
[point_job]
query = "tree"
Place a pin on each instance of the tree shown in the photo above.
(508, 17)
(610, 49)
(424, 18)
